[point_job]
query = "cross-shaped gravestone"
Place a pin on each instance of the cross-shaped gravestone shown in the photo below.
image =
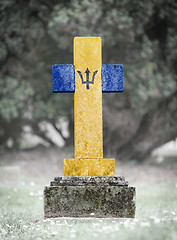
(88, 187)
(88, 78)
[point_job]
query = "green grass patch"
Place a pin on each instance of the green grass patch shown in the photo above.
(21, 216)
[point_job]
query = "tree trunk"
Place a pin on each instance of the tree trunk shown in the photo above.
(156, 127)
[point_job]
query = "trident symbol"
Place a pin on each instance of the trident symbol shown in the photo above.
(87, 77)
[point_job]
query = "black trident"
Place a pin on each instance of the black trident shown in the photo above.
(87, 77)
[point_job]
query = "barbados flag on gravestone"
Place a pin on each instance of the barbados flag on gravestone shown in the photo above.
(64, 78)
(77, 194)
(88, 78)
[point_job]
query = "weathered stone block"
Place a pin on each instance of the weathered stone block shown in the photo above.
(83, 196)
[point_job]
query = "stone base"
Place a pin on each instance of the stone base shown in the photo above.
(89, 197)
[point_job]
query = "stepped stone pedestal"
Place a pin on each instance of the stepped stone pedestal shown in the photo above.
(89, 197)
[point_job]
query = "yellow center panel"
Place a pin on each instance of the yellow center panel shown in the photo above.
(88, 102)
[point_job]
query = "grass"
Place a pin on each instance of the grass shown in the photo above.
(21, 216)
(21, 206)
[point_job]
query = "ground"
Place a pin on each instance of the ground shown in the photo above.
(24, 174)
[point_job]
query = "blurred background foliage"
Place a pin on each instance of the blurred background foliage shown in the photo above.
(139, 34)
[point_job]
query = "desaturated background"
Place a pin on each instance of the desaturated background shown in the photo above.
(141, 35)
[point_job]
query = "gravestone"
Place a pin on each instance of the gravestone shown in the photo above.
(89, 187)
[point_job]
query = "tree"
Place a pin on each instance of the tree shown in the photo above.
(141, 35)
